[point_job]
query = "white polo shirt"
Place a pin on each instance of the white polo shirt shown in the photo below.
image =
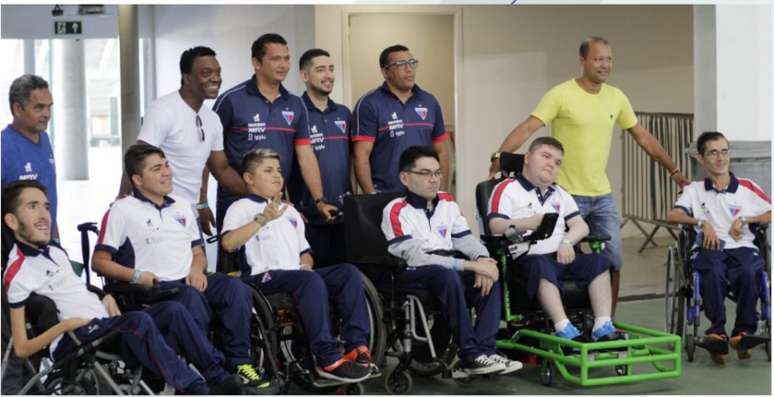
(742, 197)
(47, 272)
(161, 238)
(170, 124)
(517, 198)
(409, 217)
(278, 245)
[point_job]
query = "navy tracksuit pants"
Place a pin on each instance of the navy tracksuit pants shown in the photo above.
(310, 291)
(455, 292)
(739, 269)
(156, 336)
(230, 301)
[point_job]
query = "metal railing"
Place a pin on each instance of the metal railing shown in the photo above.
(648, 191)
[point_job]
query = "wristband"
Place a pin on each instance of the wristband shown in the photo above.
(458, 265)
(202, 206)
(135, 277)
(567, 241)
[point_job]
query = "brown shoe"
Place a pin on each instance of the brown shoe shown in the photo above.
(736, 343)
(718, 347)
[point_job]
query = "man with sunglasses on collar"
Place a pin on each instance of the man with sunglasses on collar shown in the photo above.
(190, 134)
(393, 117)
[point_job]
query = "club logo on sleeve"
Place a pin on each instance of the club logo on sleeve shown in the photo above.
(293, 222)
(289, 116)
(342, 125)
(421, 112)
(734, 210)
(442, 231)
(257, 118)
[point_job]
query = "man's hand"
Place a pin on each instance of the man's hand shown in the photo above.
(307, 267)
(111, 306)
(148, 279)
(484, 267)
(565, 254)
(711, 241)
(325, 210)
(206, 219)
(74, 323)
(680, 179)
(273, 211)
(737, 229)
(196, 279)
(484, 283)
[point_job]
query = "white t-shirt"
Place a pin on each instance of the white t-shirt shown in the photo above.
(518, 198)
(742, 197)
(171, 125)
(278, 245)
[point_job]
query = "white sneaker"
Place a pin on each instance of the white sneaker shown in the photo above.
(482, 365)
(510, 365)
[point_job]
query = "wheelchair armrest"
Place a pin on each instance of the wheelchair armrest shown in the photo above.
(139, 294)
(595, 238)
(449, 253)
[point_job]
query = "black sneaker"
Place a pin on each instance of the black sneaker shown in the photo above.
(482, 365)
(344, 371)
(231, 385)
(251, 376)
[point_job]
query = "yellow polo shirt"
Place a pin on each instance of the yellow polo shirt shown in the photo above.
(583, 123)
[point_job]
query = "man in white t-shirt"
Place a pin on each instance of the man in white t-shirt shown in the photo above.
(720, 208)
(190, 134)
(520, 203)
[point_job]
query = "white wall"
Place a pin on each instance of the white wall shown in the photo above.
(230, 30)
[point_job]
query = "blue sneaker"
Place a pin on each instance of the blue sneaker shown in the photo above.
(607, 332)
(569, 332)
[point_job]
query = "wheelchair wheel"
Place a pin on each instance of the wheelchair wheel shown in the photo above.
(354, 389)
(377, 344)
(621, 370)
(457, 367)
(671, 290)
(422, 363)
(547, 373)
(263, 336)
(87, 382)
(398, 382)
(690, 347)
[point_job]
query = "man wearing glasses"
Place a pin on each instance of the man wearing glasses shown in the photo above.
(190, 134)
(393, 117)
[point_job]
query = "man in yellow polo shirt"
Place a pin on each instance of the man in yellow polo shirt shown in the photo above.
(583, 112)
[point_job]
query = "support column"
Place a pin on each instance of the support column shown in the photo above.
(130, 74)
(70, 126)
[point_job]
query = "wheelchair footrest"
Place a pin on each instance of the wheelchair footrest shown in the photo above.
(712, 345)
(750, 341)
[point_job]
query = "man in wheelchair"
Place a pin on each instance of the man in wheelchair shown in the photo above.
(520, 203)
(423, 228)
(38, 266)
(271, 233)
(163, 238)
(720, 209)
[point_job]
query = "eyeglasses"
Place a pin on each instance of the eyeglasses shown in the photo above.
(716, 153)
(199, 126)
(404, 64)
(427, 173)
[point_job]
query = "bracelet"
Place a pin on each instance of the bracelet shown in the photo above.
(458, 265)
(202, 206)
(676, 170)
(135, 277)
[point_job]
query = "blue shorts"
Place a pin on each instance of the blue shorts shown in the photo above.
(601, 214)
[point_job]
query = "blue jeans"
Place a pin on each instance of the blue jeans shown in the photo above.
(601, 214)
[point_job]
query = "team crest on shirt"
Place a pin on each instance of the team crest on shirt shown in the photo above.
(734, 210)
(293, 222)
(442, 232)
(342, 125)
(557, 207)
(180, 219)
(288, 115)
(421, 112)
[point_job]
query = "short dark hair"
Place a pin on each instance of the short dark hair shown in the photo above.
(306, 58)
(548, 141)
(584, 47)
(258, 49)
(188, 57)
(708, 136)
(384, 57)
(22, 87)
(255, 158)
(413, 153)
(134, 158)
(12, 191)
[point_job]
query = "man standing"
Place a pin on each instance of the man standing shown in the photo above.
(393, 117)
(583, 112)
(190, 133)
(26, 148)
(329, 136)
(261, 113)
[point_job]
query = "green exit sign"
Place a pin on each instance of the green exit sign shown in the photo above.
(68, 27)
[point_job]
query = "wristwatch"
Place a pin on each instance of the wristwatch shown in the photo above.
(567, 241)
(743, 219)
(700, 224)
(494, 156)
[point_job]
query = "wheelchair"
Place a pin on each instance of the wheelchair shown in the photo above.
(528, 332)
(417, 334)
(683, 301)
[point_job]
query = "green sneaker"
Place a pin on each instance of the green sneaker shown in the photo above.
(251, 376)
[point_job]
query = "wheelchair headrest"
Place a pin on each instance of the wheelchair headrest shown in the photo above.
(511, 163)
(366, 244)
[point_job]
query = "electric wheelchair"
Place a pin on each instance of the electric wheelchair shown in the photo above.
(683, 301)
(528, 332)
